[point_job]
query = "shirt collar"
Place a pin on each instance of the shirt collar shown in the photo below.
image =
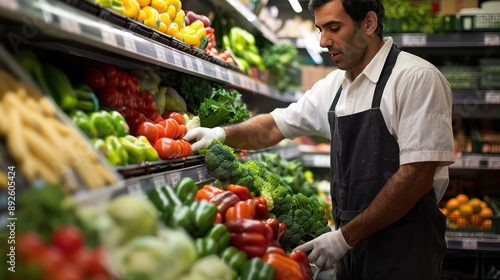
(374, 68)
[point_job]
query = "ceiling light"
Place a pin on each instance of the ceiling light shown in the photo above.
(296, 6)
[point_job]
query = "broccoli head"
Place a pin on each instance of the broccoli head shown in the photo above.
(220, 160)
(293, 233)
(282, 198)
(243, 176)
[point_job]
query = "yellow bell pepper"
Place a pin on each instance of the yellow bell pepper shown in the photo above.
(152, 17)
(132, 8)
(141, 17)
(173, 29)
(180, 17)
(160, 5)
(177, 4)
(193, 33)
(171, 11)
(165, 18)
(163, 28)
(144, 3)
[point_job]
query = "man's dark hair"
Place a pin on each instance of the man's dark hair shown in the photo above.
(357, 9)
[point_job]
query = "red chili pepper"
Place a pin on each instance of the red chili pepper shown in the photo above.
(261, 212)
(207, 192)
(242, 209)
(301, 258)
(241, 191)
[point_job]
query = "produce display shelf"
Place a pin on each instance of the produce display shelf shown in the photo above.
(476, 96)
(479, 39)
(477, 161)
(473, 241)
(141, 185)
(75, 27)
(246, 18)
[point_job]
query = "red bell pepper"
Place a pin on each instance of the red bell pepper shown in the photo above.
(301, 258)
(250, 236)
(242, 209)
(241, 191)
(277, 227)
(207, 192)
(224, 200)
(285, 267)
(261, 211)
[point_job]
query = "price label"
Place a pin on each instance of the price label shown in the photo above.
(199, 64)
(492, 39)
(160, 53)
(321, 161)
(201, 174)
(218, 73)
(177, 59)
(418, 40)
(129, 44)
(469, 244)
(70, 26)
(492, 97)
(108, 37)
(135, 188)
(11, 4)
(175, 178)
(159, 181)
(231, 78)
(189, 63)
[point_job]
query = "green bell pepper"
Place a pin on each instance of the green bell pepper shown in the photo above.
(205, 246)
(160, 201)
(136, 153)
(82, 121)
(234, 258)
(151, 152)
(186, 190)
(115, 153)
(220, 233)
(119, 123)
(99, 144)
(256, 269)
(102, 123)
(203, 217)
(181, 218)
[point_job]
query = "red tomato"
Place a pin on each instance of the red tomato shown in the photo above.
(167, 148)
(141, 105)
(128, 100)
(161, 130)
(130, 83)
(137, 87)
(67, 271)
(94, 78)
(162, 123)
(171, 128)
(149, 103)
(97, 267)
(122, 78)
(127, 112)
(29, 246)
(111, 74)
(134, 121)
(109, 96)
(51, 259)
(182, 130)
(188, 150)
(68, 239)
(81, 259)
(174, 115)
(149, 130)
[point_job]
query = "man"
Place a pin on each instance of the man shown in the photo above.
(388, 115)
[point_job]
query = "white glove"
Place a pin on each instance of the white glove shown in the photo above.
(204, 136)
(327, 249)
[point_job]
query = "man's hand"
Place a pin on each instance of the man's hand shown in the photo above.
(204, 136)
(327, 249)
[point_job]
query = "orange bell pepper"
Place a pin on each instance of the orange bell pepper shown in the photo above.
(241, 191)
(207, 192)
(285, 267)
(242, 209)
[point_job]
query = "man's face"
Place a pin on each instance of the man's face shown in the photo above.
(340, 35)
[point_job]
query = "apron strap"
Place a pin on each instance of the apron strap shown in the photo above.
(384, 75)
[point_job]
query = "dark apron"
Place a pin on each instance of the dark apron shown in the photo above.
(364, 155)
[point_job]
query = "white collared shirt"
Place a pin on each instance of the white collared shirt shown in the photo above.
(416, 106)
